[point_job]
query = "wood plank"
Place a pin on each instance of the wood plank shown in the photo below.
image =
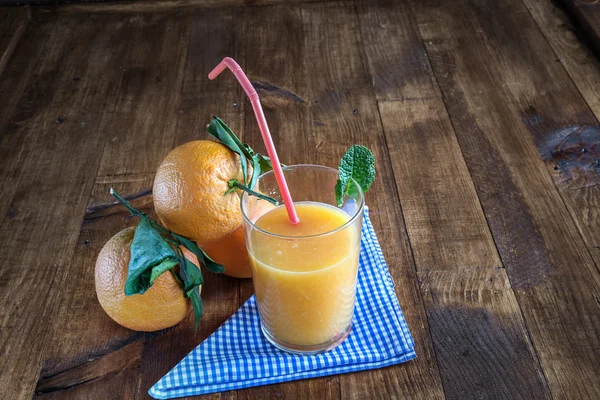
(148, 6)
(143, 130)
(395, 55)
(22, 101)
(344, 112)
(50, 189)
(13, 21)
(83, 335)
(571, 149)
(587, 14)
(445, 224)
(481, 345)
(123, 362)
(211, 40)
(578, 60)
(275, 65)
(460, 272)
(482, 55)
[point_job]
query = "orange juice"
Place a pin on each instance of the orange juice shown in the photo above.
(304, 275)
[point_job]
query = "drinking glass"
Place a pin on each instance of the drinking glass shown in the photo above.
(304, 276)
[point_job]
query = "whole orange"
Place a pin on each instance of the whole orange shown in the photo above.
(162, 306)
(190, 200)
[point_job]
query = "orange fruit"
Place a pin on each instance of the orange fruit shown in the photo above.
(190, 200)
(162, 306)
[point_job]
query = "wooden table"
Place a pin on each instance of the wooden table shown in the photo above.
(483, 117)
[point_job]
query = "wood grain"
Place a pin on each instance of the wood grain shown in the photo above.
(345, 112)
(121, 362)
(13, 21)
(151, 6)
(142, 130)
(82, 338)
(445, 224)
(484, 70)
(211, 40)
(578, 60)
(456, 257)
(21, 103)
(587, 13)
(395, 56)
(571, 149)
(50, 195)
(480, 339)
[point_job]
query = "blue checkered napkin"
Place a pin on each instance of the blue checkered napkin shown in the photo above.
(237, 355)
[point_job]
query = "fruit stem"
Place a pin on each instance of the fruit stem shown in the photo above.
(132, 209)
(235, 184)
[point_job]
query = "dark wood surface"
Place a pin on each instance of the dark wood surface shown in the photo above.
(483, 117)
(587, 14)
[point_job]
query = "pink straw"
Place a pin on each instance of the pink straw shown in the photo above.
(264, 130)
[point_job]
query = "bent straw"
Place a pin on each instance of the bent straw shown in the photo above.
(264, 130)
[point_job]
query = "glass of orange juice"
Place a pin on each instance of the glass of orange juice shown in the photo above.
(304, 275)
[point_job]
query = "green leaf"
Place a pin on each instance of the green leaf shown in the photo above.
(260, 165)
(164, 266)
(248, 152)
(151, 256)
(264, 162)
(358, 163)
(193, 275)
(219, 130)
(256, 171)
(203, 258)
(192, 279)
(197, 305)
(339, 192)
(352, 189)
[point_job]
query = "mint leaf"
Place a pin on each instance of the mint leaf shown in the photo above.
(359, 164)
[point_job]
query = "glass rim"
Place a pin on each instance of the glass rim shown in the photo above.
(348, 223)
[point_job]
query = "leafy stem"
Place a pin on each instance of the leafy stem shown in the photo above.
(234, 184)
(259, 163)
(156, 250)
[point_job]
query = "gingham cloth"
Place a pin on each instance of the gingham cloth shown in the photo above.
(237, 355)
